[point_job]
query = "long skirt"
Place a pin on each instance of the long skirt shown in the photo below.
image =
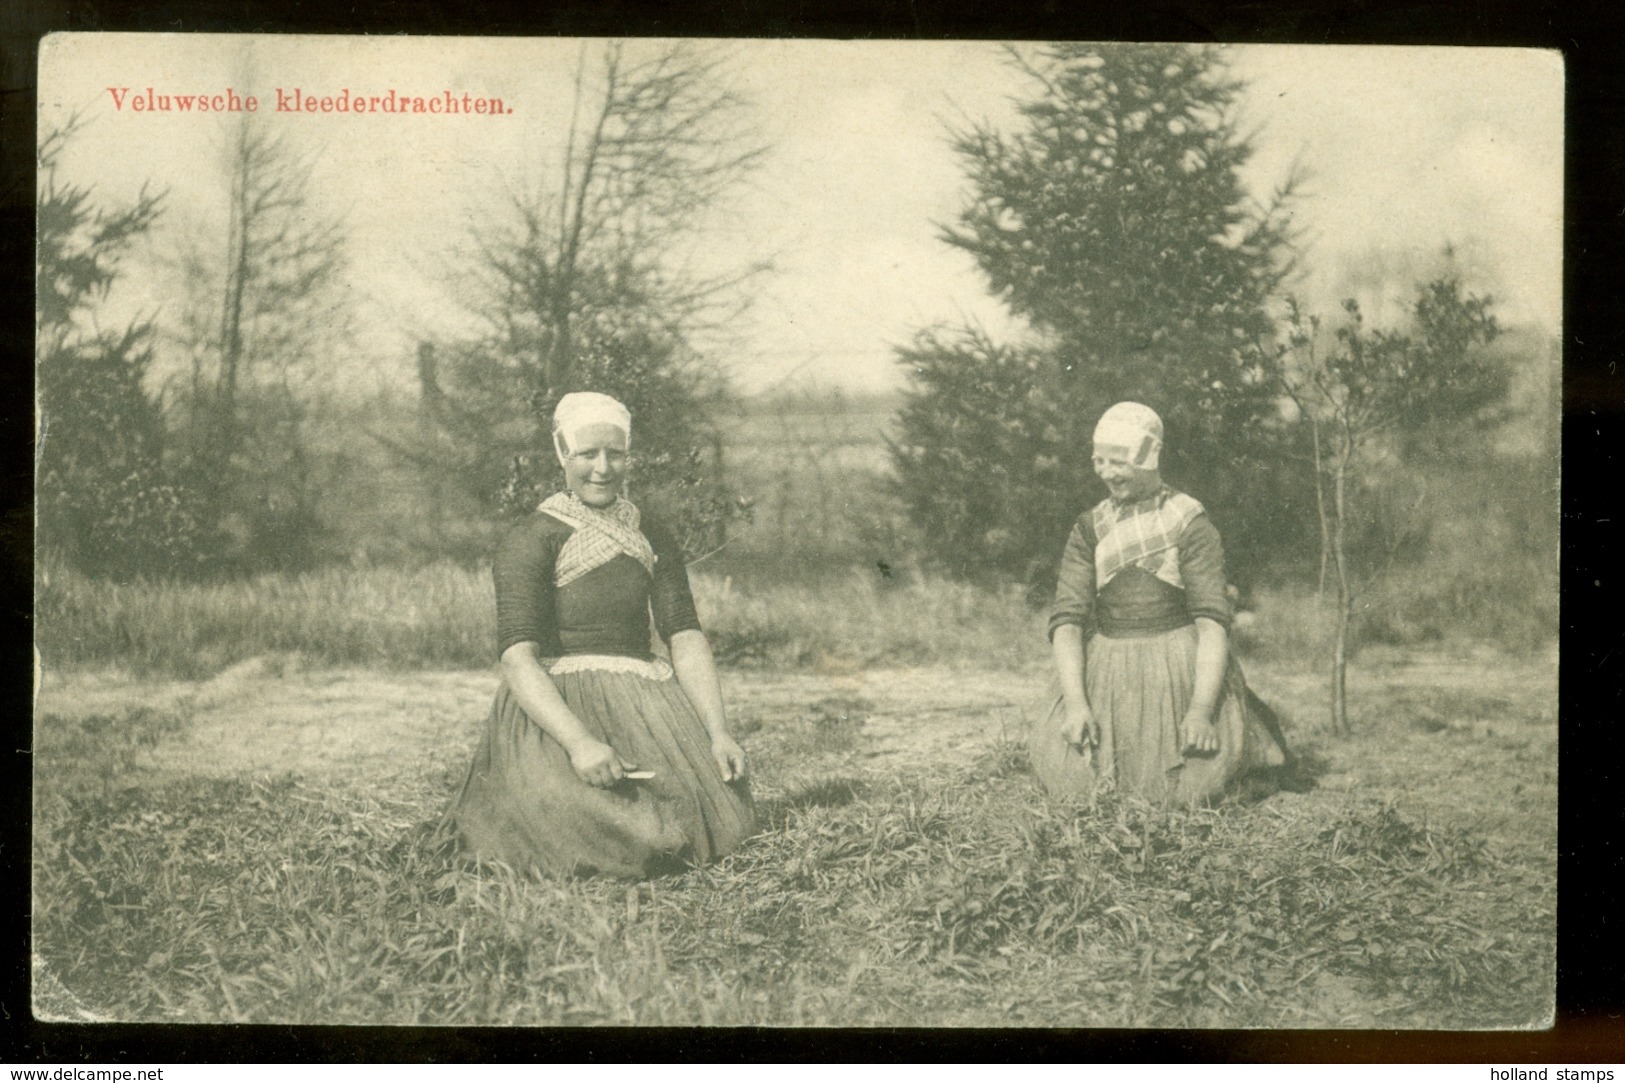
(522, 802)
(1139, 689)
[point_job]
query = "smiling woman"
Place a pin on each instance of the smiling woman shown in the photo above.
(599, 757)
(594, 463)
(1148, 699)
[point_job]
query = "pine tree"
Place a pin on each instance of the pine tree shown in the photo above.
(105, 503)
(1115, 223)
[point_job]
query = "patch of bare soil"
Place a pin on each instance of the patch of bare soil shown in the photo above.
(267, 716)
(907, 720)
(1459, 739)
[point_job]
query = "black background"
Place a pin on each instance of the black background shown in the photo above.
(1591, 992)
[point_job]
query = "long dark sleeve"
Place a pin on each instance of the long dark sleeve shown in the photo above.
(670, 596)
(1075, 585)
(523, 574)
(1201, 566)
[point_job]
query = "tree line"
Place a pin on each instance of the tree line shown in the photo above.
(574, 283)
(1110, 219)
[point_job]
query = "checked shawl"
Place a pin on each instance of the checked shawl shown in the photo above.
(599, 536)
(1144, 534)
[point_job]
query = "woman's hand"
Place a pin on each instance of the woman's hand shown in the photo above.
(1197, 733)
(596, 763)
(697, 673)
(729, 756)
(1079, 728)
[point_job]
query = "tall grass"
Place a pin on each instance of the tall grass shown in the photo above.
(1510, 604)
(393, 618)
(443, 616)
(859, 618)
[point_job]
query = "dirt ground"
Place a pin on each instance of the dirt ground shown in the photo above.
(1424, 725)
(268, 716)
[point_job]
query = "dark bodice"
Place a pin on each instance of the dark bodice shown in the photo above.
(1135, 602)
(605, 611)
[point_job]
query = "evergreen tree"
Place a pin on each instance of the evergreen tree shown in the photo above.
(1114, 222)
(104, 500)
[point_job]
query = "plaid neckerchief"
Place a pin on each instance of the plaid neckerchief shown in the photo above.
(1143, 534)
(599, 535)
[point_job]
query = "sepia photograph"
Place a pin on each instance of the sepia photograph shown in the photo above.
(543, 532)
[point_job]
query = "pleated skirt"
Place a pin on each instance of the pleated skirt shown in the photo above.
(523, 804)
(1139, 689)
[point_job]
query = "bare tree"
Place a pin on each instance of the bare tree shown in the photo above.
(1371, 385)
(261, 317)
(586, 282)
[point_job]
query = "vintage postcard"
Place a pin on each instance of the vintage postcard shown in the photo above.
(547, 532)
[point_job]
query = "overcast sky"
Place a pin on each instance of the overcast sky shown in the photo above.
(1408, 149)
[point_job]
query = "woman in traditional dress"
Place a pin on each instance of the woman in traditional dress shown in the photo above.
(1148, 697)
(599, 757)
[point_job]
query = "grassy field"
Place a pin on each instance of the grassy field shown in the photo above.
(247, 844)
(442, 616)
(234, 782)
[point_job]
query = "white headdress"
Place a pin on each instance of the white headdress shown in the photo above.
(1136, 429)
(579, 409)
